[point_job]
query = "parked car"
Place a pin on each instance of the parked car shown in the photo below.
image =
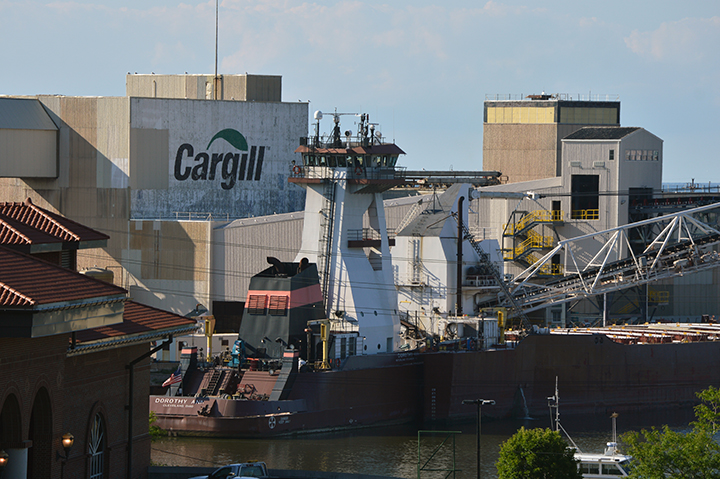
(241, 470)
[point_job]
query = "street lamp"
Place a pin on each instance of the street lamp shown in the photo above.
(67, 442)
(480, 403)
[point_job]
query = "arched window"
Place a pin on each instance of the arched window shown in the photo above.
(96, 448)
(10, 421)
(40, 433)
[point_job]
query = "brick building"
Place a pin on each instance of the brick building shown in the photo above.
(74, 355)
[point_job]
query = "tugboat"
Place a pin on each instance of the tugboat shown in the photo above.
(318, 346)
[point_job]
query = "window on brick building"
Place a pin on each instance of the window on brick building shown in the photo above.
(96, 448)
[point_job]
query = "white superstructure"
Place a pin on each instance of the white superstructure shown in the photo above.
(345, 233)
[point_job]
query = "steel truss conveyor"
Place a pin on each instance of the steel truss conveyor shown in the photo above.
(602, 262)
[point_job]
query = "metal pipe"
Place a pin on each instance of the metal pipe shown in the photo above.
(458, 306)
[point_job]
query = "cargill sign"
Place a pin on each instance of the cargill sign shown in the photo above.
(242, 163)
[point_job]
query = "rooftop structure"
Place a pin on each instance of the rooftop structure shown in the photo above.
(522, 136)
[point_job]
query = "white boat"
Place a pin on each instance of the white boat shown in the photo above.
(611, 463)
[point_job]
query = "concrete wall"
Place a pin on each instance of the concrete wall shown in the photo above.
(203, 87)
(116, 160)
(241, 248)
(168, 263)
(28, 153)
(521, 152)
(90, 185)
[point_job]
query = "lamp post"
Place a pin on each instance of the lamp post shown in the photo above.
(3, 461)
(480, 403)
(67, 442)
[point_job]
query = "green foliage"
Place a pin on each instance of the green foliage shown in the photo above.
(536, 454)
(664, 453)
(155, 431)
(708, 412)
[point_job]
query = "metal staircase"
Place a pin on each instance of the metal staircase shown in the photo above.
(514, 308)
(530, 240)
(214, 382)
(529, 220)
(416, 209)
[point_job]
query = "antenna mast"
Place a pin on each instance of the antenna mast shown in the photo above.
(215, 80)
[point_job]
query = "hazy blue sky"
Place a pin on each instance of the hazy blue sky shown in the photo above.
(422, 69)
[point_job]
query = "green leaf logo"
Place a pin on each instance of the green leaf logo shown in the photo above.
(234, 137)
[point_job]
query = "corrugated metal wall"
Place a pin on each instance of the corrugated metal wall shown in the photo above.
(240, 250)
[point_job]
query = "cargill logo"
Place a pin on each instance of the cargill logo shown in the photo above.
(232, 166)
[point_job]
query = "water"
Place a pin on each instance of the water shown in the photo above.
(393, 451)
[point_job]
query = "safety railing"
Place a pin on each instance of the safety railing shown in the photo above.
(587, 215)
(548, 269)
(534, 241)
(349, 173)
(534, 217)
(554, 96)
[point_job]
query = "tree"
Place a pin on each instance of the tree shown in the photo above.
(536, 454)
(156, 432)
(664, 453)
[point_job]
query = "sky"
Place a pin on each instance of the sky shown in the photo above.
(421, 69)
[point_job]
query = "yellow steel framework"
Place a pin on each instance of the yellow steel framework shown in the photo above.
(531, 219)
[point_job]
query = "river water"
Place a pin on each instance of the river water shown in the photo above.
(393, 451)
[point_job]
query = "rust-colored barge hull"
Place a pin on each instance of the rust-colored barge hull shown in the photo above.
(596, 376)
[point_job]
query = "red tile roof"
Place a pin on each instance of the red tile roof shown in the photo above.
(138, 319)
(26, 283)
(13, 232)
(41, 226)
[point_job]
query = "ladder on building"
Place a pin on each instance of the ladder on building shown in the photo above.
(325, 253)
(416, 209)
